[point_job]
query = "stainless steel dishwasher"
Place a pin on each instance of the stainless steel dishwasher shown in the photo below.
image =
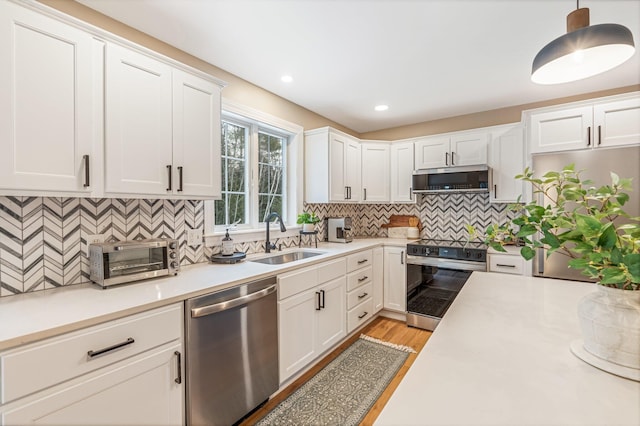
(232, 352)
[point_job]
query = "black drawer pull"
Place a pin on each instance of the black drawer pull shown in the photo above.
(360, 262)
(362, 279)
(505, 266)
(93, 354)
(363, 315)
(178, 379)
(363, 295)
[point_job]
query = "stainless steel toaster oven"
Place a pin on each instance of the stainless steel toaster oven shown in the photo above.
(126, 261)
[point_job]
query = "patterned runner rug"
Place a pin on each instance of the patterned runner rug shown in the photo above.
(342, 392)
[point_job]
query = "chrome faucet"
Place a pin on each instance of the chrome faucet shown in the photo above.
(267, 245)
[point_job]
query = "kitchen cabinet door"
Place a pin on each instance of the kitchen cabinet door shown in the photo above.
(375, 172)
(138, 129)
(401, 170)
(353, 170)
(142, 390)
(297, 332)
(331, 318)
(432, 152)
(561, 130)
(47, 104)
(378, 279)
(395, 279)
(617, 123)
(337, 180)
(468, 149)
(196, 136)
(506, 161)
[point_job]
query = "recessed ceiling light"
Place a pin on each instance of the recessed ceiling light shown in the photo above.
(381, 107)
(286, 78)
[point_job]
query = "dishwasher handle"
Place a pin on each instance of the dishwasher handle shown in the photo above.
(223, 306)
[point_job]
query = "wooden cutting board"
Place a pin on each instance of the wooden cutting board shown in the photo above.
(397, 220)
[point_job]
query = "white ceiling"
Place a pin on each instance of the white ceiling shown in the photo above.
(426, 59)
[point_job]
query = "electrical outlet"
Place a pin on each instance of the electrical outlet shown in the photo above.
(194, 237)
(94, 239)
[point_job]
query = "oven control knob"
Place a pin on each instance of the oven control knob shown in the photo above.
(173, 245)
(174, 265)
(173, 255)
(479, 255)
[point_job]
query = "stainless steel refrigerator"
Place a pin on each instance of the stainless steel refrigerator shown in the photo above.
(597, 165)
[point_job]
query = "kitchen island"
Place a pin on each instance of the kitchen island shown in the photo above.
(501, 356)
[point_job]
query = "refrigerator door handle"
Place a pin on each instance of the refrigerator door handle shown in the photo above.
(541, 256)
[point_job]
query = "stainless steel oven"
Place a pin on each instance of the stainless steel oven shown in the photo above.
(436, 272)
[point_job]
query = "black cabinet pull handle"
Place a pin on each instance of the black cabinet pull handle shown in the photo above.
(318, 307)
(452, 163)
(178, 355)
(322, 299)
(495, 191)
(363, 315)
(589, 136)
(505, 265)
(365, 194)
(93, 354)
(362, 279)
(446, 158)
(87, 174)
(402, 257)
(170, 187)
(360, 262)
(346, 193)
(599, 135)
(349, 189)
(179, 178)
(363, 295)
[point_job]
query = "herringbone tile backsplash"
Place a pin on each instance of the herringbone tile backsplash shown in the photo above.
(43, 240)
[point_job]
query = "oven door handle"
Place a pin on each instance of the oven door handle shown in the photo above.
(461, 265)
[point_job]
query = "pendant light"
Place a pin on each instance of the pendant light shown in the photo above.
(583, 52)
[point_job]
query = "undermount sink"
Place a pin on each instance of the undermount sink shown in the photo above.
(287, 257)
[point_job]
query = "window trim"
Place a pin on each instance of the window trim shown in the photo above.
(294, 171)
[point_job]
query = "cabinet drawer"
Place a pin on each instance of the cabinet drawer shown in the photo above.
(359, 278)
(359, 295)
(359, 260)
(297, 282)
(64, 357)
(359, 315)
(506, 264)
(331, 270)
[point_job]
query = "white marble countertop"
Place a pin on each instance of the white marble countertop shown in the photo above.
(34, 316)
(501, 356)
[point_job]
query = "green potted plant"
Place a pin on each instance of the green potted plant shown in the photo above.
(589, 225)
(308, 221)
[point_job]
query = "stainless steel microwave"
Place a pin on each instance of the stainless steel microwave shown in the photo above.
(128, 261)
(452, 179)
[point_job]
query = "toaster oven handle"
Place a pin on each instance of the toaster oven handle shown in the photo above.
(140, 246)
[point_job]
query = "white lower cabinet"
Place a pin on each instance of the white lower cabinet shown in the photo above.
(395, 279)
(127, 371)
(311, 314)
(508, 263)
(378, 279)
(138, 391)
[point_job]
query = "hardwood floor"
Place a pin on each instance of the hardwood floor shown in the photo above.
(382, 328)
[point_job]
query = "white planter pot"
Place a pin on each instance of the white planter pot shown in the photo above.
(308, 227)
(610, 323)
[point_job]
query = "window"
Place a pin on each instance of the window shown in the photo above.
(261, 165)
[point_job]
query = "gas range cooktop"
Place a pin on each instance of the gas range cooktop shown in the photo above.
(450, 249)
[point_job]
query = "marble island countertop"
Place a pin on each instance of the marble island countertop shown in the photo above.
(34, 316)
(501, 356)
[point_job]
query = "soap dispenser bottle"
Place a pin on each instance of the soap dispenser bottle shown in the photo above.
(227, 244)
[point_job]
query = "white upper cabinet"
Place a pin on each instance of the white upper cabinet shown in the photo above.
(506, 159)
(46, 108)
(375, 172)
(196, 135)
(332, 167)
(162, 133)
(401, 172)
(608, 122)
(138, 132)
(453, 149)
